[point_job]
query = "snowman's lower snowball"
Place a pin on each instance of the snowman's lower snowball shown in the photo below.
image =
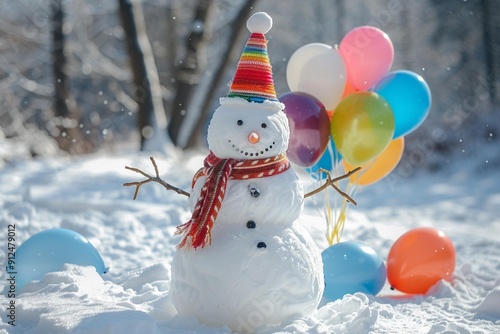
(239, 285)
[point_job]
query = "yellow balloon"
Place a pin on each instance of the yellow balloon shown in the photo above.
(379, 167)
(362, 126)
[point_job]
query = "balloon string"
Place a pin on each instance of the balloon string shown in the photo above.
(335, 225)
(336, 217)
(329, 217)
(363, 170)
(339, 224)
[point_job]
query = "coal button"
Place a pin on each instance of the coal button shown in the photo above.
(254, 192)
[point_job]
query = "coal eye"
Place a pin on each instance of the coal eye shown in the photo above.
(263, 125)
(240, 122)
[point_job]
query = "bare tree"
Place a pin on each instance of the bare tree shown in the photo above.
(235, 27)
(69, 136)
(188, 73)
(491, 32)
(147, 89)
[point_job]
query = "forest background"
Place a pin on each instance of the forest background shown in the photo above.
(79, 77)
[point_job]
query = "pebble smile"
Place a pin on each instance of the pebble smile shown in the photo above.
(249, 153)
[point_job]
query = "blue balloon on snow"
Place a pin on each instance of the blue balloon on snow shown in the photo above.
(351, 267)
(49, 250)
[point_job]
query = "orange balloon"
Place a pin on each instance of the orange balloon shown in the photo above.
(330, 114)
(419, 259)
(349, 89)
(380, 167)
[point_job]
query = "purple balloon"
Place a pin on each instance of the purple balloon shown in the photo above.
(309, 128)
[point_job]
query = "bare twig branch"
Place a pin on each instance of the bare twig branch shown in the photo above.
(150, 178)
(331, 182)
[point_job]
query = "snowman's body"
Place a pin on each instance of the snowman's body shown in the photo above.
(261, 267)
(244, 261)
(273, 200)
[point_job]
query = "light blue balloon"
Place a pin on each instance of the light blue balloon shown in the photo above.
(409, 97)
(330, 158)
(49, 250)
(351, 267)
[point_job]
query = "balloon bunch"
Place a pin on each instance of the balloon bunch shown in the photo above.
(417, 260)
(345, 105)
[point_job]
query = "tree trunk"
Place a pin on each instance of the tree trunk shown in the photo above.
(68, 137)
(147, 90)
(173, 46)
(235, 27)
(491, 34)
(61, 92)
(188, 73)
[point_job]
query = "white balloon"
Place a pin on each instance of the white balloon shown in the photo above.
(319, 70)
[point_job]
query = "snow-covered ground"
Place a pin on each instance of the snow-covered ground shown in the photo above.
(135, 239)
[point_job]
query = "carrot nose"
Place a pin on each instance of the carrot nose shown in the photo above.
(253, 137)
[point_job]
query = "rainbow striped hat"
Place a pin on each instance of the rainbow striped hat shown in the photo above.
(253, 80)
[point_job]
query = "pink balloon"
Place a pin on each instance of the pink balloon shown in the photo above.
(368, 54)
(309, 128)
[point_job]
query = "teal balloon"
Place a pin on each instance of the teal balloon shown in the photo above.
(49, 250)
(351, 267)
(330, 158)
(409, 97)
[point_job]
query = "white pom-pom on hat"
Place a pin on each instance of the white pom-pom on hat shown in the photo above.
(260, 22)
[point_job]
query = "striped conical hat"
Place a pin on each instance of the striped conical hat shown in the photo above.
(253, 79)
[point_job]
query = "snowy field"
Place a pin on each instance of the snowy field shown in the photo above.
(135, 239)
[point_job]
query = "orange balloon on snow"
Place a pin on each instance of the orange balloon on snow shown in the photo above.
(419, 259)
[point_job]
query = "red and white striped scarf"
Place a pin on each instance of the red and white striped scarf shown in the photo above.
(197, 231)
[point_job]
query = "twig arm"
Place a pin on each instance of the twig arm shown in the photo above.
(331, 182)
(150, 178)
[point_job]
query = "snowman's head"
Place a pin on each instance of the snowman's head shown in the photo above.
(242, 130)
(250, 122)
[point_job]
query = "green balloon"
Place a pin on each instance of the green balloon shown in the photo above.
(362, 126)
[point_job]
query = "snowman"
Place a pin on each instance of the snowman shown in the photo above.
(244, 261)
